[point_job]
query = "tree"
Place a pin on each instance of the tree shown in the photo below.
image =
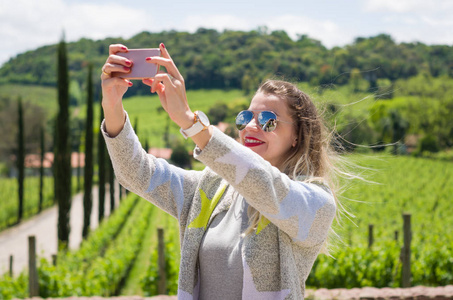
(88, 171)
(218, 112)
(399, 128)
(41, 170)
(180, 157)
(161, 110)
(20, 161)
(112, 186)
(35, 118)
(62, 150)
(101, 169)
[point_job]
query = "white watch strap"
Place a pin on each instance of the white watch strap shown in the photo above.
(193, 130)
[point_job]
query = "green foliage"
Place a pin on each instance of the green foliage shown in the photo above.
(180, 156)
(358, 267)
(11, 288)
(20, 162)
(34, 117)
(403, 185)
(429, 144)
(62, 149)
(217, 113)
(152, 125)
(9, 205)
(104, 259)
(89, 156)
(238, 59)
(151, 279)
(102, 161)
(417, 186)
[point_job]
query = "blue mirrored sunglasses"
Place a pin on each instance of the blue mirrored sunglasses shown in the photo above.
(267, 120)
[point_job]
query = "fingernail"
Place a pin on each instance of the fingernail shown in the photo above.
(130, 83)
(126, 68)
(162, 45)
(124, 48)
(148, 58)
(128, 62)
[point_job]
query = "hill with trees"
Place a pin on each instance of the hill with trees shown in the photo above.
(374, 90)
(240, 60)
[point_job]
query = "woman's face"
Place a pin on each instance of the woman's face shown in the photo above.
(272, 146)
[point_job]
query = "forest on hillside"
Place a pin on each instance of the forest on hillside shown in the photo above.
(240, 60)
(374, 91)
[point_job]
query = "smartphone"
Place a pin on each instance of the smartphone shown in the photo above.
(140, 68)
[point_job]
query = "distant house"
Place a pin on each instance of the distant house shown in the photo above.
(411, 142)
(33, 163)
(164, 153)
(222, 126)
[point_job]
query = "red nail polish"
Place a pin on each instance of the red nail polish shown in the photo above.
(128, 62)
(126, 68)
(130, 83)
(162, 45)
(124, 48)
(148, 58)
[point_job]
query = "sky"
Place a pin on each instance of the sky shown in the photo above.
(29, 24)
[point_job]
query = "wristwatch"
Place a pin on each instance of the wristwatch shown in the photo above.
(200, 123)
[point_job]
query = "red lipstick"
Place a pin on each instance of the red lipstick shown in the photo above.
(252, 142)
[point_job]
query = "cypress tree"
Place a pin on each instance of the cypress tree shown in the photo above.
(146, 145)
(20, 161)
(88, 171)
(101, 169)
(79, 162)
(62, 150)
(41, 170)
(136, 125)
(112, 186)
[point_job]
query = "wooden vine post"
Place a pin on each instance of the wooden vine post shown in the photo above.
(11, 266)
(370, 235)
(406, 253)
(162, 283)
(32, 270)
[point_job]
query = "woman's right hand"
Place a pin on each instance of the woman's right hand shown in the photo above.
(114, 88)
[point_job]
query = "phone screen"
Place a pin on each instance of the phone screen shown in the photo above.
(140, 68)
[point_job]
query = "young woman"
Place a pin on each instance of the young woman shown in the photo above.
(254, 220)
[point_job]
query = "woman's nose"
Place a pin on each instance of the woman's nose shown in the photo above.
(253, 125)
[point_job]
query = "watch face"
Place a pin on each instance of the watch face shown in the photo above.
(203, 118)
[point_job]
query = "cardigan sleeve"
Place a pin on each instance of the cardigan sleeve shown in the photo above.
(304, 211)
(165, 185)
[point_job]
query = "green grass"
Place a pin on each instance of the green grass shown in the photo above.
(9, 205)
(143, 260)
(132, 285)
(402, 184)
(152, 122)
(39, 95)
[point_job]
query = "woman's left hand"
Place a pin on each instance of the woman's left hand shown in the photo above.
(171, 89)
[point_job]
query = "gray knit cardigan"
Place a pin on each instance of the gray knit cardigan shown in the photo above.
(278, 256)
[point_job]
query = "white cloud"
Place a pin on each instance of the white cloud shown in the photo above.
(328, 32)
(27, 25)
(405, 6)
(218, 22)
(415, 20)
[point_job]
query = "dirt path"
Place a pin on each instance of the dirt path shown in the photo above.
(14, 241)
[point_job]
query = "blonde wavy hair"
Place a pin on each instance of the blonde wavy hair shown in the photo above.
(313, 157)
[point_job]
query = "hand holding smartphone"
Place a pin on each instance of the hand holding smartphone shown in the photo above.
(140, 68)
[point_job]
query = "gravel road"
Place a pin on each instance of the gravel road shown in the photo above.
(14, 241)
